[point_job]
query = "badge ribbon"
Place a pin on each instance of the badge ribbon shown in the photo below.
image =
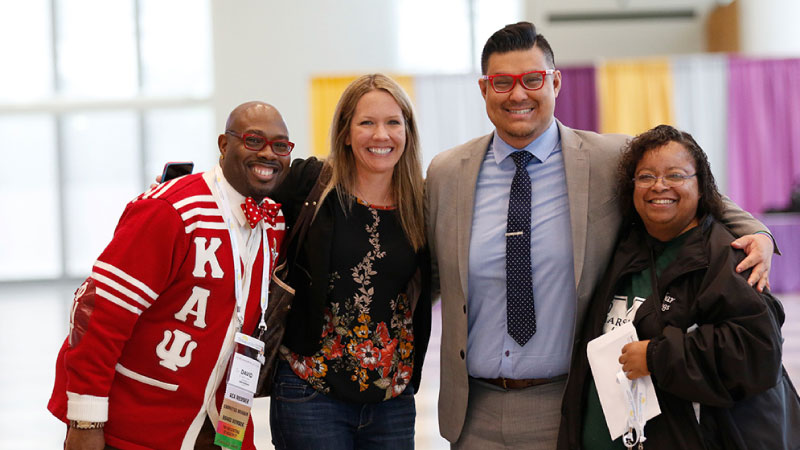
(242, 381)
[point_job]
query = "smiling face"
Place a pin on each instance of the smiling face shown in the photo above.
(253, 173)
(377, 133)
(667, 211)
(520, 115)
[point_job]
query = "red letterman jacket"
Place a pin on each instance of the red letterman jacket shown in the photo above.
(151, 330)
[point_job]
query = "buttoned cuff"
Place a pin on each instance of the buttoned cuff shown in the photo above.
(87, 407)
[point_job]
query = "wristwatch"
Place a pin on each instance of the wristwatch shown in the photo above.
(85, 425)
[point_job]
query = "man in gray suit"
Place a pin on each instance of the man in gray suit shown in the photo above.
(507, 338)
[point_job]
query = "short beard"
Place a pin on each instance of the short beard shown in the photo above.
(521, 135)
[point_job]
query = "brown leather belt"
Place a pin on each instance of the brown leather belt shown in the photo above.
(508, 383)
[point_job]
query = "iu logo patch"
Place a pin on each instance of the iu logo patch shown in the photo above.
(179, 354)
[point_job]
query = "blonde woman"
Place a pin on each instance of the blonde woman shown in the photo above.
(360, 321)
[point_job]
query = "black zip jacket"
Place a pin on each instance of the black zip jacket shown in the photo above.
(730, 363)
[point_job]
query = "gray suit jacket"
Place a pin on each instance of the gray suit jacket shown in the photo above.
(590, 163)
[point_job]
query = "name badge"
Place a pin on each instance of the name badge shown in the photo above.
(243, 373)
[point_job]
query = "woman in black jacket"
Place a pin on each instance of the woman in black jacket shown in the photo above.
(710, 342)
(359, 324)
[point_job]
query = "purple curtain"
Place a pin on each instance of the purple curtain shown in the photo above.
(576, 105)
(786, 229)
(763, 132)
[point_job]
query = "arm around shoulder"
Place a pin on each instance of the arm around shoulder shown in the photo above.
(742, 223)
(756, 241)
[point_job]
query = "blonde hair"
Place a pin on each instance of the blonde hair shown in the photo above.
(407, 182)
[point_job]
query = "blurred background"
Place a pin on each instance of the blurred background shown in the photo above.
(96, 95)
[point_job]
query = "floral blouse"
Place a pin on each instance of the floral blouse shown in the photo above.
(367, 338)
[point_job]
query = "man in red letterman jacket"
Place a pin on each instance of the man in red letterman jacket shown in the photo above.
(152, 328)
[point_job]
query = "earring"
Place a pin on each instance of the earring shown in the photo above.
(221, 156)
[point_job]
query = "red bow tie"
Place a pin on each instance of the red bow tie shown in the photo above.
(254, 213)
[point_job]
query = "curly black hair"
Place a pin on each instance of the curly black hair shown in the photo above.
(710, 201)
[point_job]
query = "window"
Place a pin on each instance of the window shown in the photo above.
(179, 134)
(101, 174)
(175, 47)
(447, 36)
(27, 73)
(96, 49)
(97, 97)
(29, 195)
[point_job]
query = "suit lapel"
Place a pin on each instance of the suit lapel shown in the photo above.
(576, 166)
(471, 162)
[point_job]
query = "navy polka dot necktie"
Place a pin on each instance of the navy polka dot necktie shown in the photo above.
(520, 313)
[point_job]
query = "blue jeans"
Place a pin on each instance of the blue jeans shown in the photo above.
(302, 418)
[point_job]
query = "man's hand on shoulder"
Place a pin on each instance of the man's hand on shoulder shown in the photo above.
(759, 248)
(78, 439)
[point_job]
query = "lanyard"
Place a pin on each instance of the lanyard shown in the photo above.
(241, 301)
(636, 396)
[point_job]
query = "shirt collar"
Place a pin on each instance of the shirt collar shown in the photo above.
(235, 199)
(542, 147)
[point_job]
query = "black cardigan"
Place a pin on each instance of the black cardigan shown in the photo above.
(308, 272)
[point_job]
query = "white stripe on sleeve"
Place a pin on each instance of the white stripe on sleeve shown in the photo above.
(129, 293)
(120, 273)
(116, 300)
(193, 199)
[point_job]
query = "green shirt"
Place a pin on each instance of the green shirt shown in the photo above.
(633, 290)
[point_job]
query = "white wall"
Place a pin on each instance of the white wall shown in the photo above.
(769, 27)
(269, 50)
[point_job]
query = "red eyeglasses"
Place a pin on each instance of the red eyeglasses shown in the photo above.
(504, 82)
(256, 143)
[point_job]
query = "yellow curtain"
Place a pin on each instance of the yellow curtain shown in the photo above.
(325, 93)
(634, 96)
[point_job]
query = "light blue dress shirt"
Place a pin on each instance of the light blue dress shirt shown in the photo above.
(491, 352)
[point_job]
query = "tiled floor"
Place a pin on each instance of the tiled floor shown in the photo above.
(33, 325)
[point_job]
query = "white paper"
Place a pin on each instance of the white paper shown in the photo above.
(603, 354)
